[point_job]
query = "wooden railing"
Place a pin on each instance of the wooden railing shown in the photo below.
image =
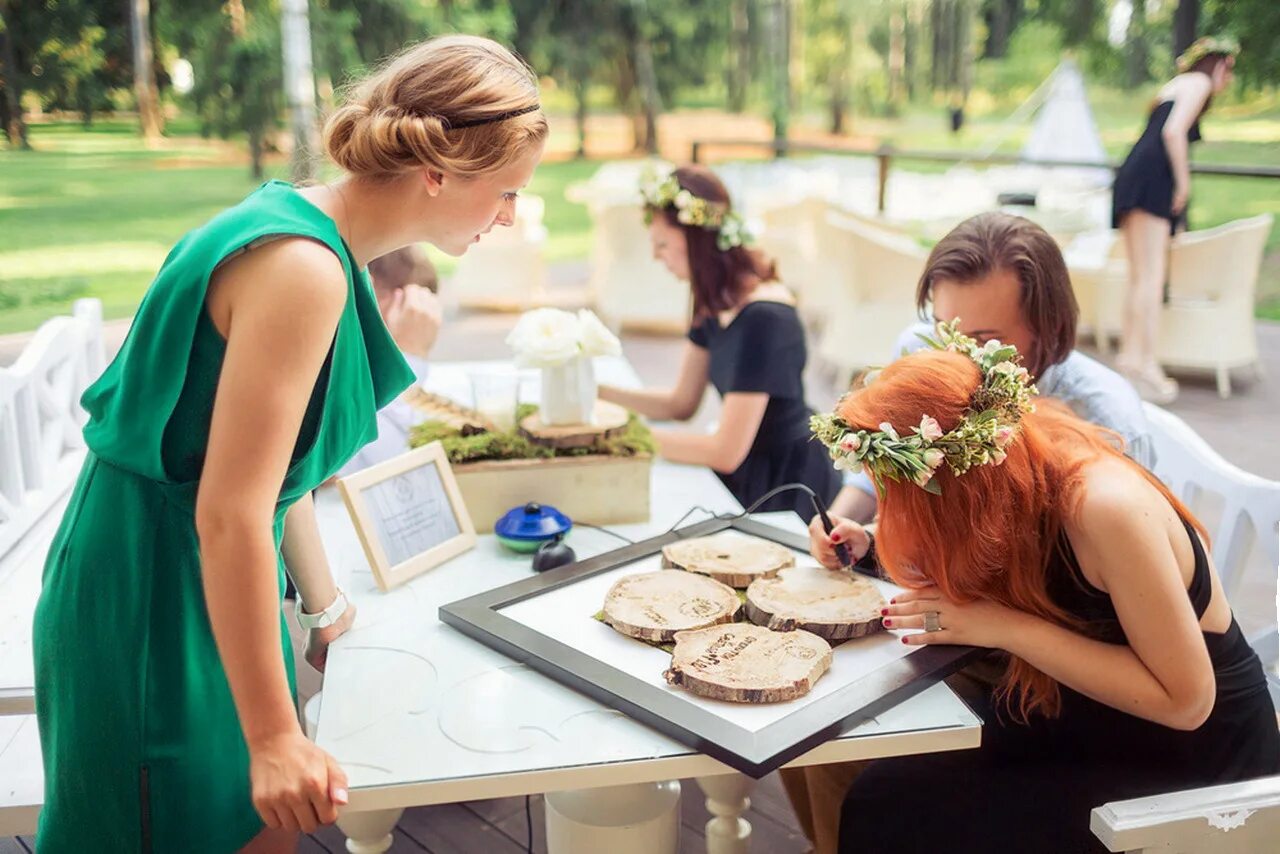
(886, 154)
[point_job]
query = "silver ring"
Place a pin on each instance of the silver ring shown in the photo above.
(931, 623)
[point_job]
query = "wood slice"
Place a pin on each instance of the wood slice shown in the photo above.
(729, 557)
(832, 605)
(467, 421)
(653, 606)
(745, 663)
(609, 421)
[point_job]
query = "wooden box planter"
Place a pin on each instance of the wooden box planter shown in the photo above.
(598, 489)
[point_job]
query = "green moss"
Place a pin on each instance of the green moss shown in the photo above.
(635, 440)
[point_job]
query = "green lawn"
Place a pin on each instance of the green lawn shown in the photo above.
(93, 213)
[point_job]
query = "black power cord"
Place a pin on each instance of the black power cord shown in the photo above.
(528, 819)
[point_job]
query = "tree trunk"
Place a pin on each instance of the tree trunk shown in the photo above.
(145, 90)
(964, 48)
(299, 88)
(778, 28)
(897, 57)
(1186, 21)
(646, 78)
(255, 153)
(911, 46)
(1002, 18)
(740, 56)
(940, 29)
(580, 87)
(1136, 59)
(14, 127)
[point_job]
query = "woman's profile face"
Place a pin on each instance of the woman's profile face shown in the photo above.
(669, 247)
(473, 206)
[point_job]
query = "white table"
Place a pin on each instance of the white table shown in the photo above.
(419, 714)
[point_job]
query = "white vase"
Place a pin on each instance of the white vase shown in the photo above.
(569, 392)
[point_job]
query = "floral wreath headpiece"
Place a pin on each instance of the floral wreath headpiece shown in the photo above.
(661, 192)
(991, 422)
(1206, 46)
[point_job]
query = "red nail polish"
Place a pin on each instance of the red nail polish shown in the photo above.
(835, 538)
(893, 601)
(888, 622)
(904, 640)
(884, 612)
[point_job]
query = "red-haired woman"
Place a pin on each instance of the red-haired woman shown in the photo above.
(746, 338)
(1023, 529)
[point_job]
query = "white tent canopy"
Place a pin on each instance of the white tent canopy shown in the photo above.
(1064, 129)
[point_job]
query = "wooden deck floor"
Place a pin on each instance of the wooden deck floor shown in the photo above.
(500, 827)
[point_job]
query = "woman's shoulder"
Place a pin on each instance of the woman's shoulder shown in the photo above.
(1116, 499)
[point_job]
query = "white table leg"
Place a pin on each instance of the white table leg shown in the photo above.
(727, 799)
(369, 832)
(637, 819)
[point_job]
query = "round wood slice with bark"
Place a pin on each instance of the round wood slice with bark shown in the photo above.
(609, 422)
(745, 663)
(833, 605)
(729, 557)
(653, 606)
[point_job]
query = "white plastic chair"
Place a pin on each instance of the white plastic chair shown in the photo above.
(1208, 322)
(1238, 817)
(1242, 513)
(879, 274)
(506, 269)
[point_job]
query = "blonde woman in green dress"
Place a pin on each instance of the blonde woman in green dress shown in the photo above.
(252, 372)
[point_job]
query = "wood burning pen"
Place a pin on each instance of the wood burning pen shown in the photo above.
(842, 549)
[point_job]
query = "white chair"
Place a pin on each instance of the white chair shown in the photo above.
(41, 446)
(1208, 322)
(1242, 513)
(632, 290)
(879, 274)
(789, 235)
(506, 269)
(41, 449)
(1239, 817)
(1099, 269)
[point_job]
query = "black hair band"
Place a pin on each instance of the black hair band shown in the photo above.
(500, 117)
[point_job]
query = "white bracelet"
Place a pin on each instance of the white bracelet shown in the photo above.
(321, 619)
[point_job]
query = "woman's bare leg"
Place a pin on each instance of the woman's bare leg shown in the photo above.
(1147, 242)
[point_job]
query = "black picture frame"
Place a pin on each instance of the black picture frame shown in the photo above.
(753, 753)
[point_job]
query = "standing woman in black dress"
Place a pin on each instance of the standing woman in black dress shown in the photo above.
(1149, 203)
(746, 339)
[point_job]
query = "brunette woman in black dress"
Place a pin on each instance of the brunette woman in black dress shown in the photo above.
(1149, 203)
(745, 339)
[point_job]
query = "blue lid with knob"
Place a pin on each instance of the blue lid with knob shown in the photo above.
(532, 521)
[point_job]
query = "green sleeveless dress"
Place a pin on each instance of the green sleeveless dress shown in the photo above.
(142, 746)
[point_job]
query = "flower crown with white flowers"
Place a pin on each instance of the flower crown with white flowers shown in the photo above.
(990, 423)
(665, 192)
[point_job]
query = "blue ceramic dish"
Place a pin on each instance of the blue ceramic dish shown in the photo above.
(525, 528)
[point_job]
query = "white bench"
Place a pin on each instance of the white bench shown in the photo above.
(1239, 817)
(41, 451)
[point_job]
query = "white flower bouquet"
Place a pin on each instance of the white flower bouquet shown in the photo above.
(550, 337)
(562, 344)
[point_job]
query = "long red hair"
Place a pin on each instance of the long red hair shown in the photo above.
(993, 531)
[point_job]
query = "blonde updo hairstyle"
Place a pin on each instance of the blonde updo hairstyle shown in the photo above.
(403, 116)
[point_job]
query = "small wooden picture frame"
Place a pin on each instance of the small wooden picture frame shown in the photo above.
(409, 514)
